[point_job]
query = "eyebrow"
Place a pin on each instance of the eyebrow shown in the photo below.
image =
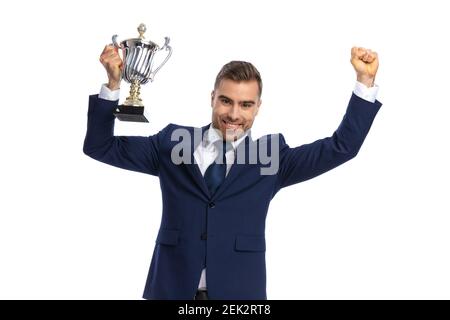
(245, 101)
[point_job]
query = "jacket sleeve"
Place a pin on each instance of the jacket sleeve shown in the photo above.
(310, 160)
(133, 153)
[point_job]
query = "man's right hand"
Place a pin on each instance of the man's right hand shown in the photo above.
(112, 62)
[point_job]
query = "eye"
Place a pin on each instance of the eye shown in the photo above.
(247, 105)
(225, 101)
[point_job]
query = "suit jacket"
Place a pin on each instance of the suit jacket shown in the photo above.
(224, 232)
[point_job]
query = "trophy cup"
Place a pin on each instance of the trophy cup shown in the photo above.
(138, 69)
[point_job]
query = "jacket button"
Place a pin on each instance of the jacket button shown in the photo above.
(203, 236)
(212, 204)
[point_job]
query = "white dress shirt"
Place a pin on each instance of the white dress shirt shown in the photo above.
(206, 152)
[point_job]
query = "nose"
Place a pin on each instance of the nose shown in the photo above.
(233, 115)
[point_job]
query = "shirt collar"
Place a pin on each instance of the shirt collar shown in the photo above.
(214, 135)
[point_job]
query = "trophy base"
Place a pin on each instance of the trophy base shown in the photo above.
(130, 113)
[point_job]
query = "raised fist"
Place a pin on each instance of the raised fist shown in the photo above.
(365, 62)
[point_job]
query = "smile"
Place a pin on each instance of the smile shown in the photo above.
(230, 125)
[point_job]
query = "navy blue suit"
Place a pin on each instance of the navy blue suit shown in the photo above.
(223, 232)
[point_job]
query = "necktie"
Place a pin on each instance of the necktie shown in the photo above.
(215, 174)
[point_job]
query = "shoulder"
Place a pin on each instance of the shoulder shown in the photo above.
(176, 132)
(271, 138)
(181, 129)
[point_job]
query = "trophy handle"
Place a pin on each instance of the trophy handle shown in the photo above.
(119, 47)
(168, 48)
(115, 43)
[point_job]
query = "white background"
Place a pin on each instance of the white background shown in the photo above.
(375, 228)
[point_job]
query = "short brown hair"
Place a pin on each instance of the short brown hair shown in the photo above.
(239, 71)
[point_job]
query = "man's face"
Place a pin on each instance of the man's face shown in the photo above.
(234, 107)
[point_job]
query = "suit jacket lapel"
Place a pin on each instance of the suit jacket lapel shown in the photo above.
(235, 169)
(193, 168)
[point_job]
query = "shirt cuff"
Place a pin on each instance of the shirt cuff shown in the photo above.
(368, 94)
(107, 94)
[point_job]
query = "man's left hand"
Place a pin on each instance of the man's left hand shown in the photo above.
(365, 62)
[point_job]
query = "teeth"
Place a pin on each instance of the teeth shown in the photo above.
(231, 126)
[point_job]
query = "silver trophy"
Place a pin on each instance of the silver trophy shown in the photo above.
(138, 69)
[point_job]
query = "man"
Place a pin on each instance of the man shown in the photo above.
(215, 192)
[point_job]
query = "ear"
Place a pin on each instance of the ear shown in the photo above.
(212, 98)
